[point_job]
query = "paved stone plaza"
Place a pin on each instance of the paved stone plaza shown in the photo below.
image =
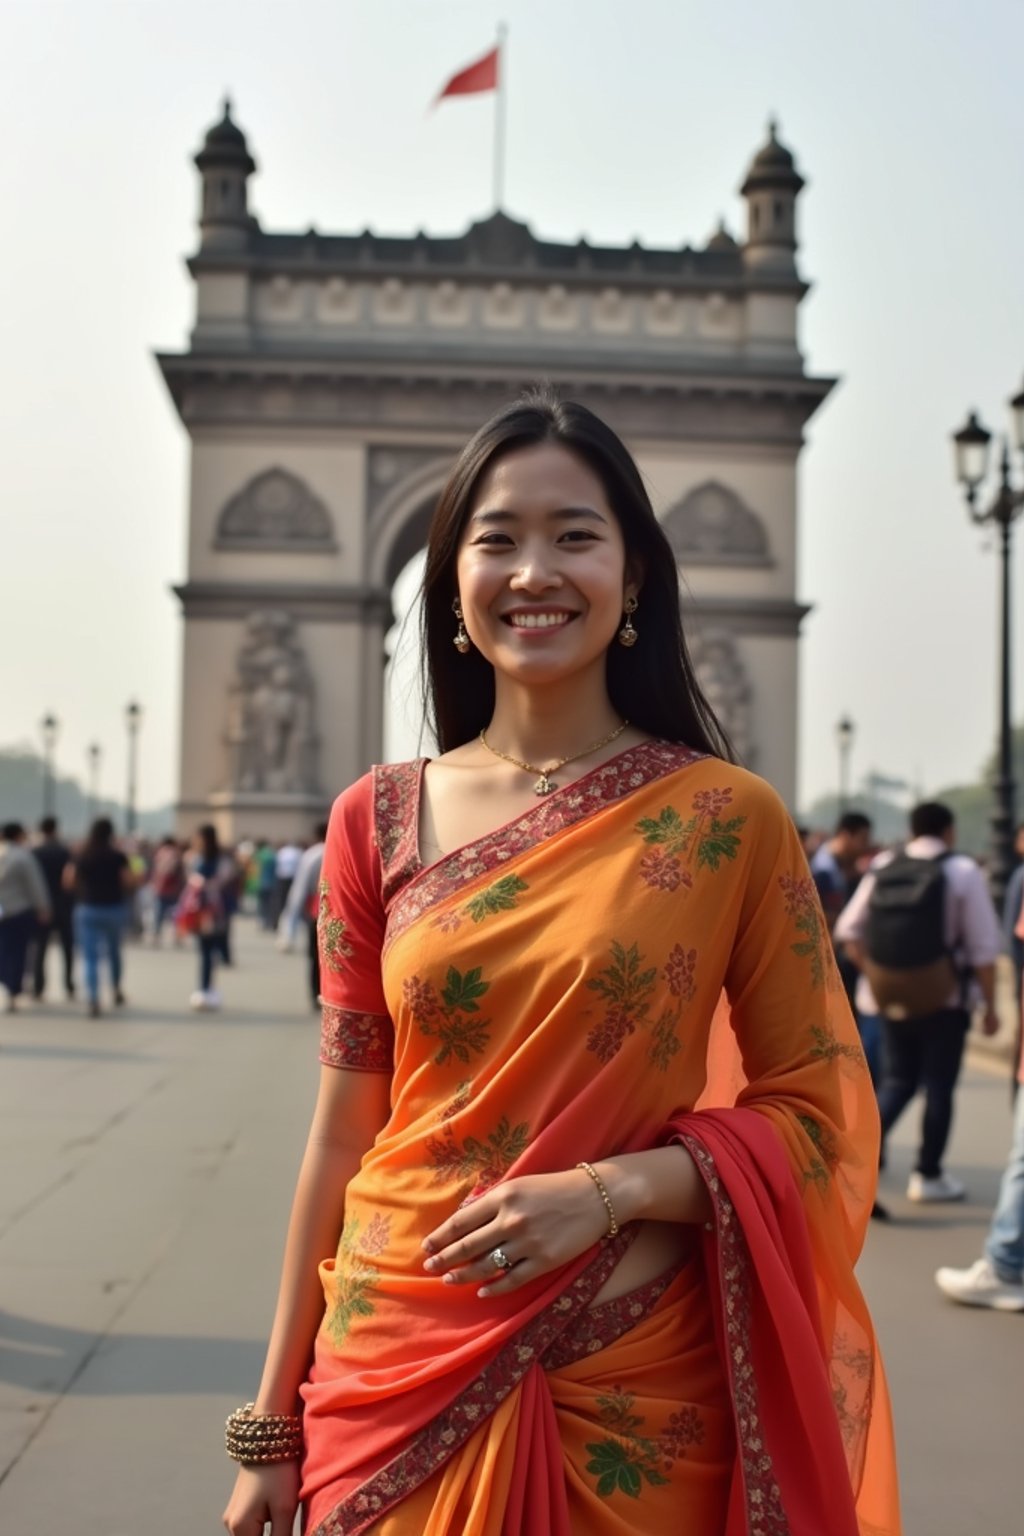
(146, 1165)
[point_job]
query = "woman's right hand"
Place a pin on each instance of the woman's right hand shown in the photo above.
(261, 1496)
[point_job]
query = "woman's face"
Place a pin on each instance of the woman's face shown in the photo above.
(541, 568)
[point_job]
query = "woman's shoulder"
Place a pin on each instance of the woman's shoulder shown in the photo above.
(729, 791)
(709, 772)
(387, 793)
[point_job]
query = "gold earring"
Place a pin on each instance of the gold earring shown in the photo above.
(627, 634)
(461, 641)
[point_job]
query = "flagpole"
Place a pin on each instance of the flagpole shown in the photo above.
(499, 122)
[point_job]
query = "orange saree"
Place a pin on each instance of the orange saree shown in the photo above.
(639, 958)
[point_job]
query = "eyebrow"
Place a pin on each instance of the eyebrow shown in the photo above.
(560, 514)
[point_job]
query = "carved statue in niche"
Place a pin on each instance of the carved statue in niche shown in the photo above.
(271, 743)
(723, 678)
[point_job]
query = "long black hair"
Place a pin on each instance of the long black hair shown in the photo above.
(653, 685)
(207, 835)
(101, 835)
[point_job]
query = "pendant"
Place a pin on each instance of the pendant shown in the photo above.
(544, 785)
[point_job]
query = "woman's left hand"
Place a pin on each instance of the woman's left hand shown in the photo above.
(538, 1223)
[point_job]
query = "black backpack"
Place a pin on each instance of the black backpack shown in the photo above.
(906, 920)
(908, 963)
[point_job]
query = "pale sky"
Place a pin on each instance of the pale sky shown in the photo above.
(624, 121)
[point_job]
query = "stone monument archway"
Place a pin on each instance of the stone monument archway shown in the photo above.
(329, 383)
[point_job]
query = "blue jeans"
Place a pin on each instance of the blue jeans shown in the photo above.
(923, 1054)
(15, 936)
(869, 1026)
(96, 928)
(210, 946)
(1005, 1242)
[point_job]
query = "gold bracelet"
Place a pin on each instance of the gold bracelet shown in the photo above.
(257, 1439)
(613, 1225)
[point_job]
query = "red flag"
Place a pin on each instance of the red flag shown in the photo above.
(481, 76)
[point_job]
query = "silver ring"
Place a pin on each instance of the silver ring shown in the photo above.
(500, 1259)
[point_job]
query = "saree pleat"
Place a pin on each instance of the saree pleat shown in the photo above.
(640, 958)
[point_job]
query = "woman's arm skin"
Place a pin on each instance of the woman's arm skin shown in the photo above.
(545, 1220)
(351, 1108)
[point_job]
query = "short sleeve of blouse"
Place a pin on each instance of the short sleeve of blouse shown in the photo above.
(356, 1031)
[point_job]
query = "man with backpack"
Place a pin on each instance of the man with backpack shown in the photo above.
(923, 931)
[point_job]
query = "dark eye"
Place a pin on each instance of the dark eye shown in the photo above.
(578, 535)
(493, 539)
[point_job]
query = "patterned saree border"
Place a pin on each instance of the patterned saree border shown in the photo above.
(396, 804)
(765, 1514)
(364, 1042)
(598, 1327)
(439, 1440)
(416, 890)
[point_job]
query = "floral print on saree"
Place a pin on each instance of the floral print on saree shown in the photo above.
(441, 1438)
(410, 890)
(551, 1003)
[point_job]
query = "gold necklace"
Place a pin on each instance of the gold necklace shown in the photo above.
(545, 783)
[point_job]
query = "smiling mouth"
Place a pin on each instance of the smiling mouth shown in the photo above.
(545, 620)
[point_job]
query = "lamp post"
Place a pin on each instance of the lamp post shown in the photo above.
(133, 719)
(844, 738)
(971, 446)
(94, 752)
(49, 726)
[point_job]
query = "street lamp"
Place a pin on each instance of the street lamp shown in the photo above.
(971, 446)
(49, 725)
(844, 737)
(133, 719)
(94, 752)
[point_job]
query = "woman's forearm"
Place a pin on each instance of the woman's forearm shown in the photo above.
(313, 1231)
(660, 1185)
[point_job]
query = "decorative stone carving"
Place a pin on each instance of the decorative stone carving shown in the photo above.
(713, 526)
(723, 678)
(275, 511)
(270, 739)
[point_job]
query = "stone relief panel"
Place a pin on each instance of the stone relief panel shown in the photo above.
(270, 735)
(275, 511)
(714, 526)
(726, 686)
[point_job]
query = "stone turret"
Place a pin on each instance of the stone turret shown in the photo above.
(771, 188)
(225, 164)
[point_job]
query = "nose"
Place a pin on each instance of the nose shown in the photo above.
(535, 574)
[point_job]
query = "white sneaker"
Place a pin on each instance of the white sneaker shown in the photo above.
(204, 1002)
(945, 1187)
(980, 1286)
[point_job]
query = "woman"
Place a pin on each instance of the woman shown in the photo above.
(102, 881)
(211, 871)
(585, 1230)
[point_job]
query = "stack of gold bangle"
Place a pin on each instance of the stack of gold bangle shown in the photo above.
(256, 1439)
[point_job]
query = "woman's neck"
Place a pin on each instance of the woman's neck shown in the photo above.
(543, 725)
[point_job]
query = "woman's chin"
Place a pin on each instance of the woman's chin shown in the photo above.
(545, 669)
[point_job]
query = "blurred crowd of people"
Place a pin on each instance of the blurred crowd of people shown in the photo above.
(87, 898)
(915, 934)
(917, 940)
